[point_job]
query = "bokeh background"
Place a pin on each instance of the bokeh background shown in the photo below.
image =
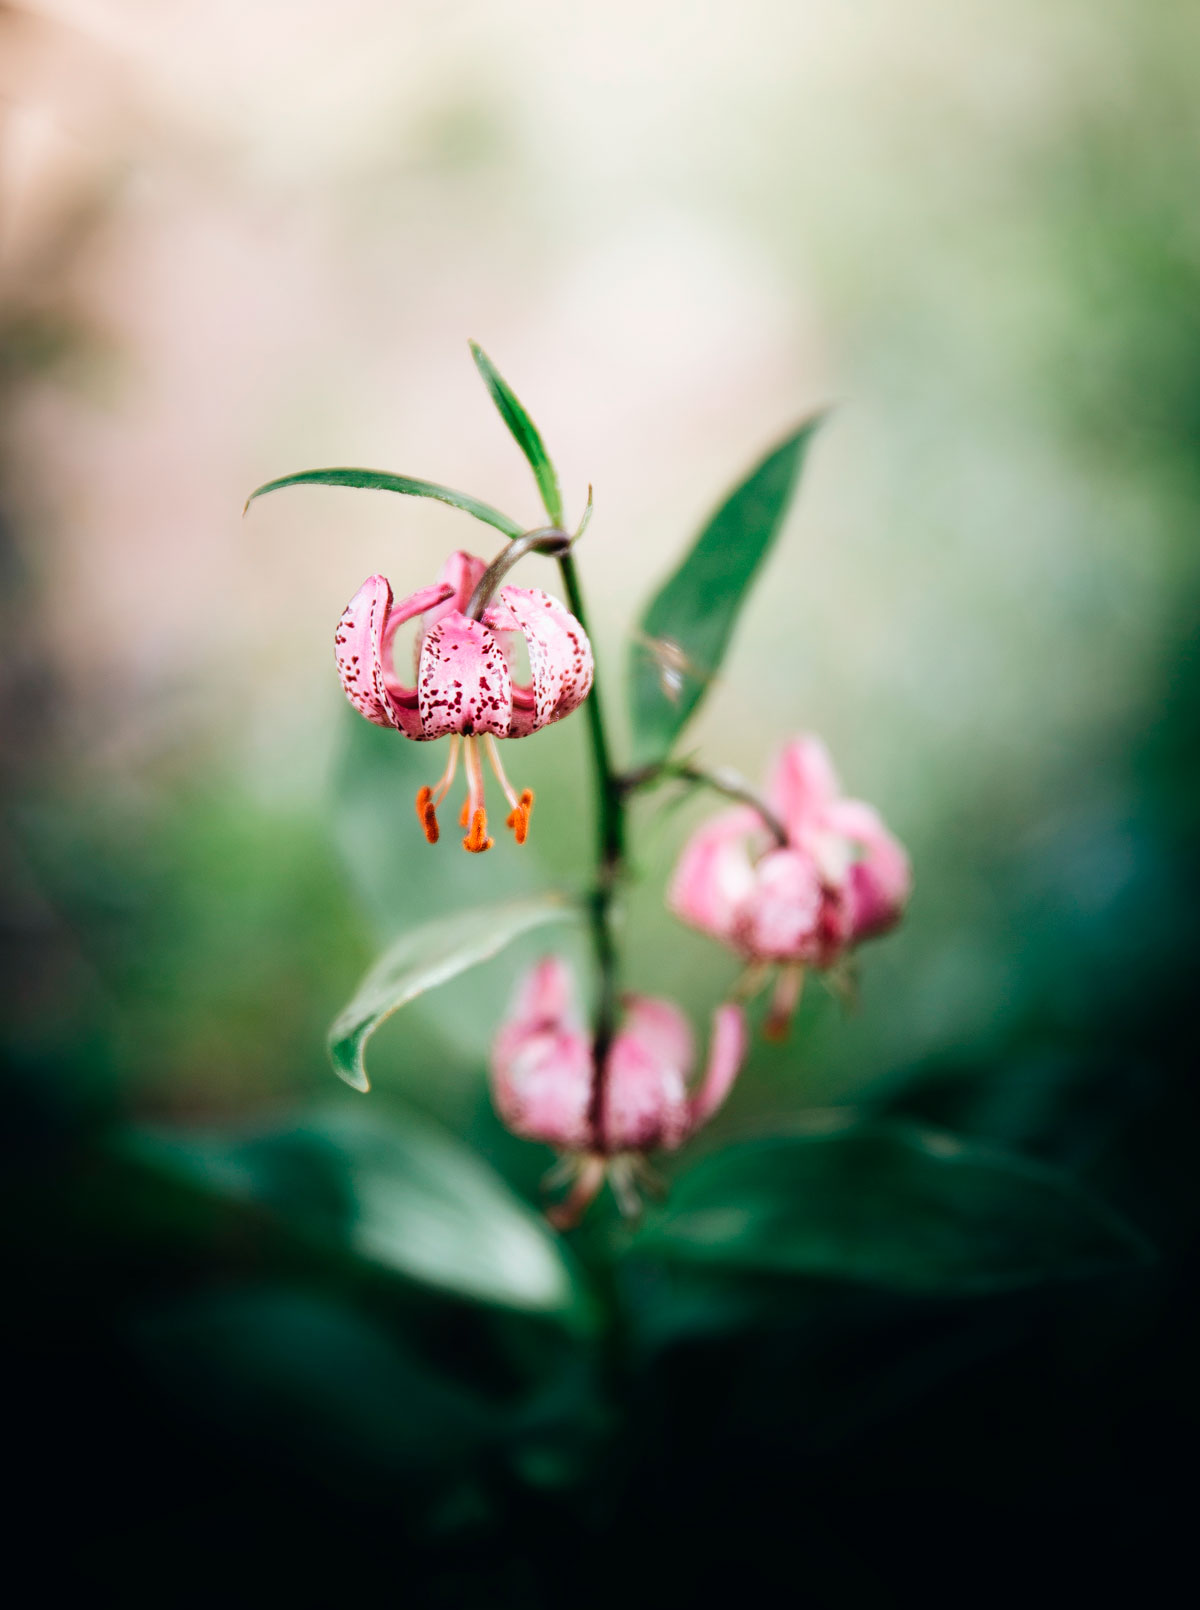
(239, 240)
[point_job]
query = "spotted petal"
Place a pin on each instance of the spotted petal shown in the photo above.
(560, 656)
(358, 650)
(781, 919)
(645, 1092)
(463, 681)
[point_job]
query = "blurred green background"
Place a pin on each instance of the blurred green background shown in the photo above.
(240, 240)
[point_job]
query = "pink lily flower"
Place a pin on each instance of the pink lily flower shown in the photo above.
(465, 688)
(544, 1085)
(839, 877)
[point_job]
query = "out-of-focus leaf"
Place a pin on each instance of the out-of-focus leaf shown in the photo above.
(311, 1375)
(402, 1193)
(686, 628)
(384, 481)
(890, 1204)
(425, 957)
(525, 432)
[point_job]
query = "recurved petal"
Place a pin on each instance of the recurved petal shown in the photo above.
(358, 650)
(662, 1029)
(645, 1092)
(726, 1053)
(560, 655)
(714, 875)
(880, 880)
(462, 573)
(546, 995)
(542, 1083)
(780, 920)
(802, 784)
(463, 683)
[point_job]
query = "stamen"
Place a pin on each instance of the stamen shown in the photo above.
(477, 839)
(588, 1180)
(429, 798)
(783, 1003)
(752, 980)
(426, 814)
(518, 817)
(621, 1183)
(442, 786)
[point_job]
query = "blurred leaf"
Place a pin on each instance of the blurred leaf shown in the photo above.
(313, 1378)
(684, 632)
(425, 957)
(890, 1204)
(383, 481)
(400, 1192)
(525, 432)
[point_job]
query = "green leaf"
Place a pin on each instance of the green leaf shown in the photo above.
(383, 481)
(306, 1372)
(425, 957)
(395, 1190)
(890, 1204)
(684, 632)
(526, 433)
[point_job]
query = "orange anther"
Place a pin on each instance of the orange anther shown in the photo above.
(518, 817)
(426, 813)
(464, 816)
(775, 1027)
(477, 839)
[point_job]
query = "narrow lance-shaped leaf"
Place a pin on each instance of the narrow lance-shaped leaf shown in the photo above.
(890, 1204)
(526, 433)
(683, 634)
(425, 957)
(384, 481)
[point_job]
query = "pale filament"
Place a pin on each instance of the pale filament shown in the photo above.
(493, 750)
(442, 787)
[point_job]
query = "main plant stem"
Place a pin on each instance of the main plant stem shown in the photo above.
(610, 857)
(612, 791)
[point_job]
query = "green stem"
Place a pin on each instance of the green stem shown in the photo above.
(724, 781)
(610, 856)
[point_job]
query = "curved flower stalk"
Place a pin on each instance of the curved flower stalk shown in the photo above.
(465, 687)
(839, 877)
(546, 1085)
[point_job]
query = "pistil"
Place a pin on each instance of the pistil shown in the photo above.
(784, 1001)
(477, 839)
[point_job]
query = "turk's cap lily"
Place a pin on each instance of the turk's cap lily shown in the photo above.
(544, 1083)
(839, 876)
(466, 685)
